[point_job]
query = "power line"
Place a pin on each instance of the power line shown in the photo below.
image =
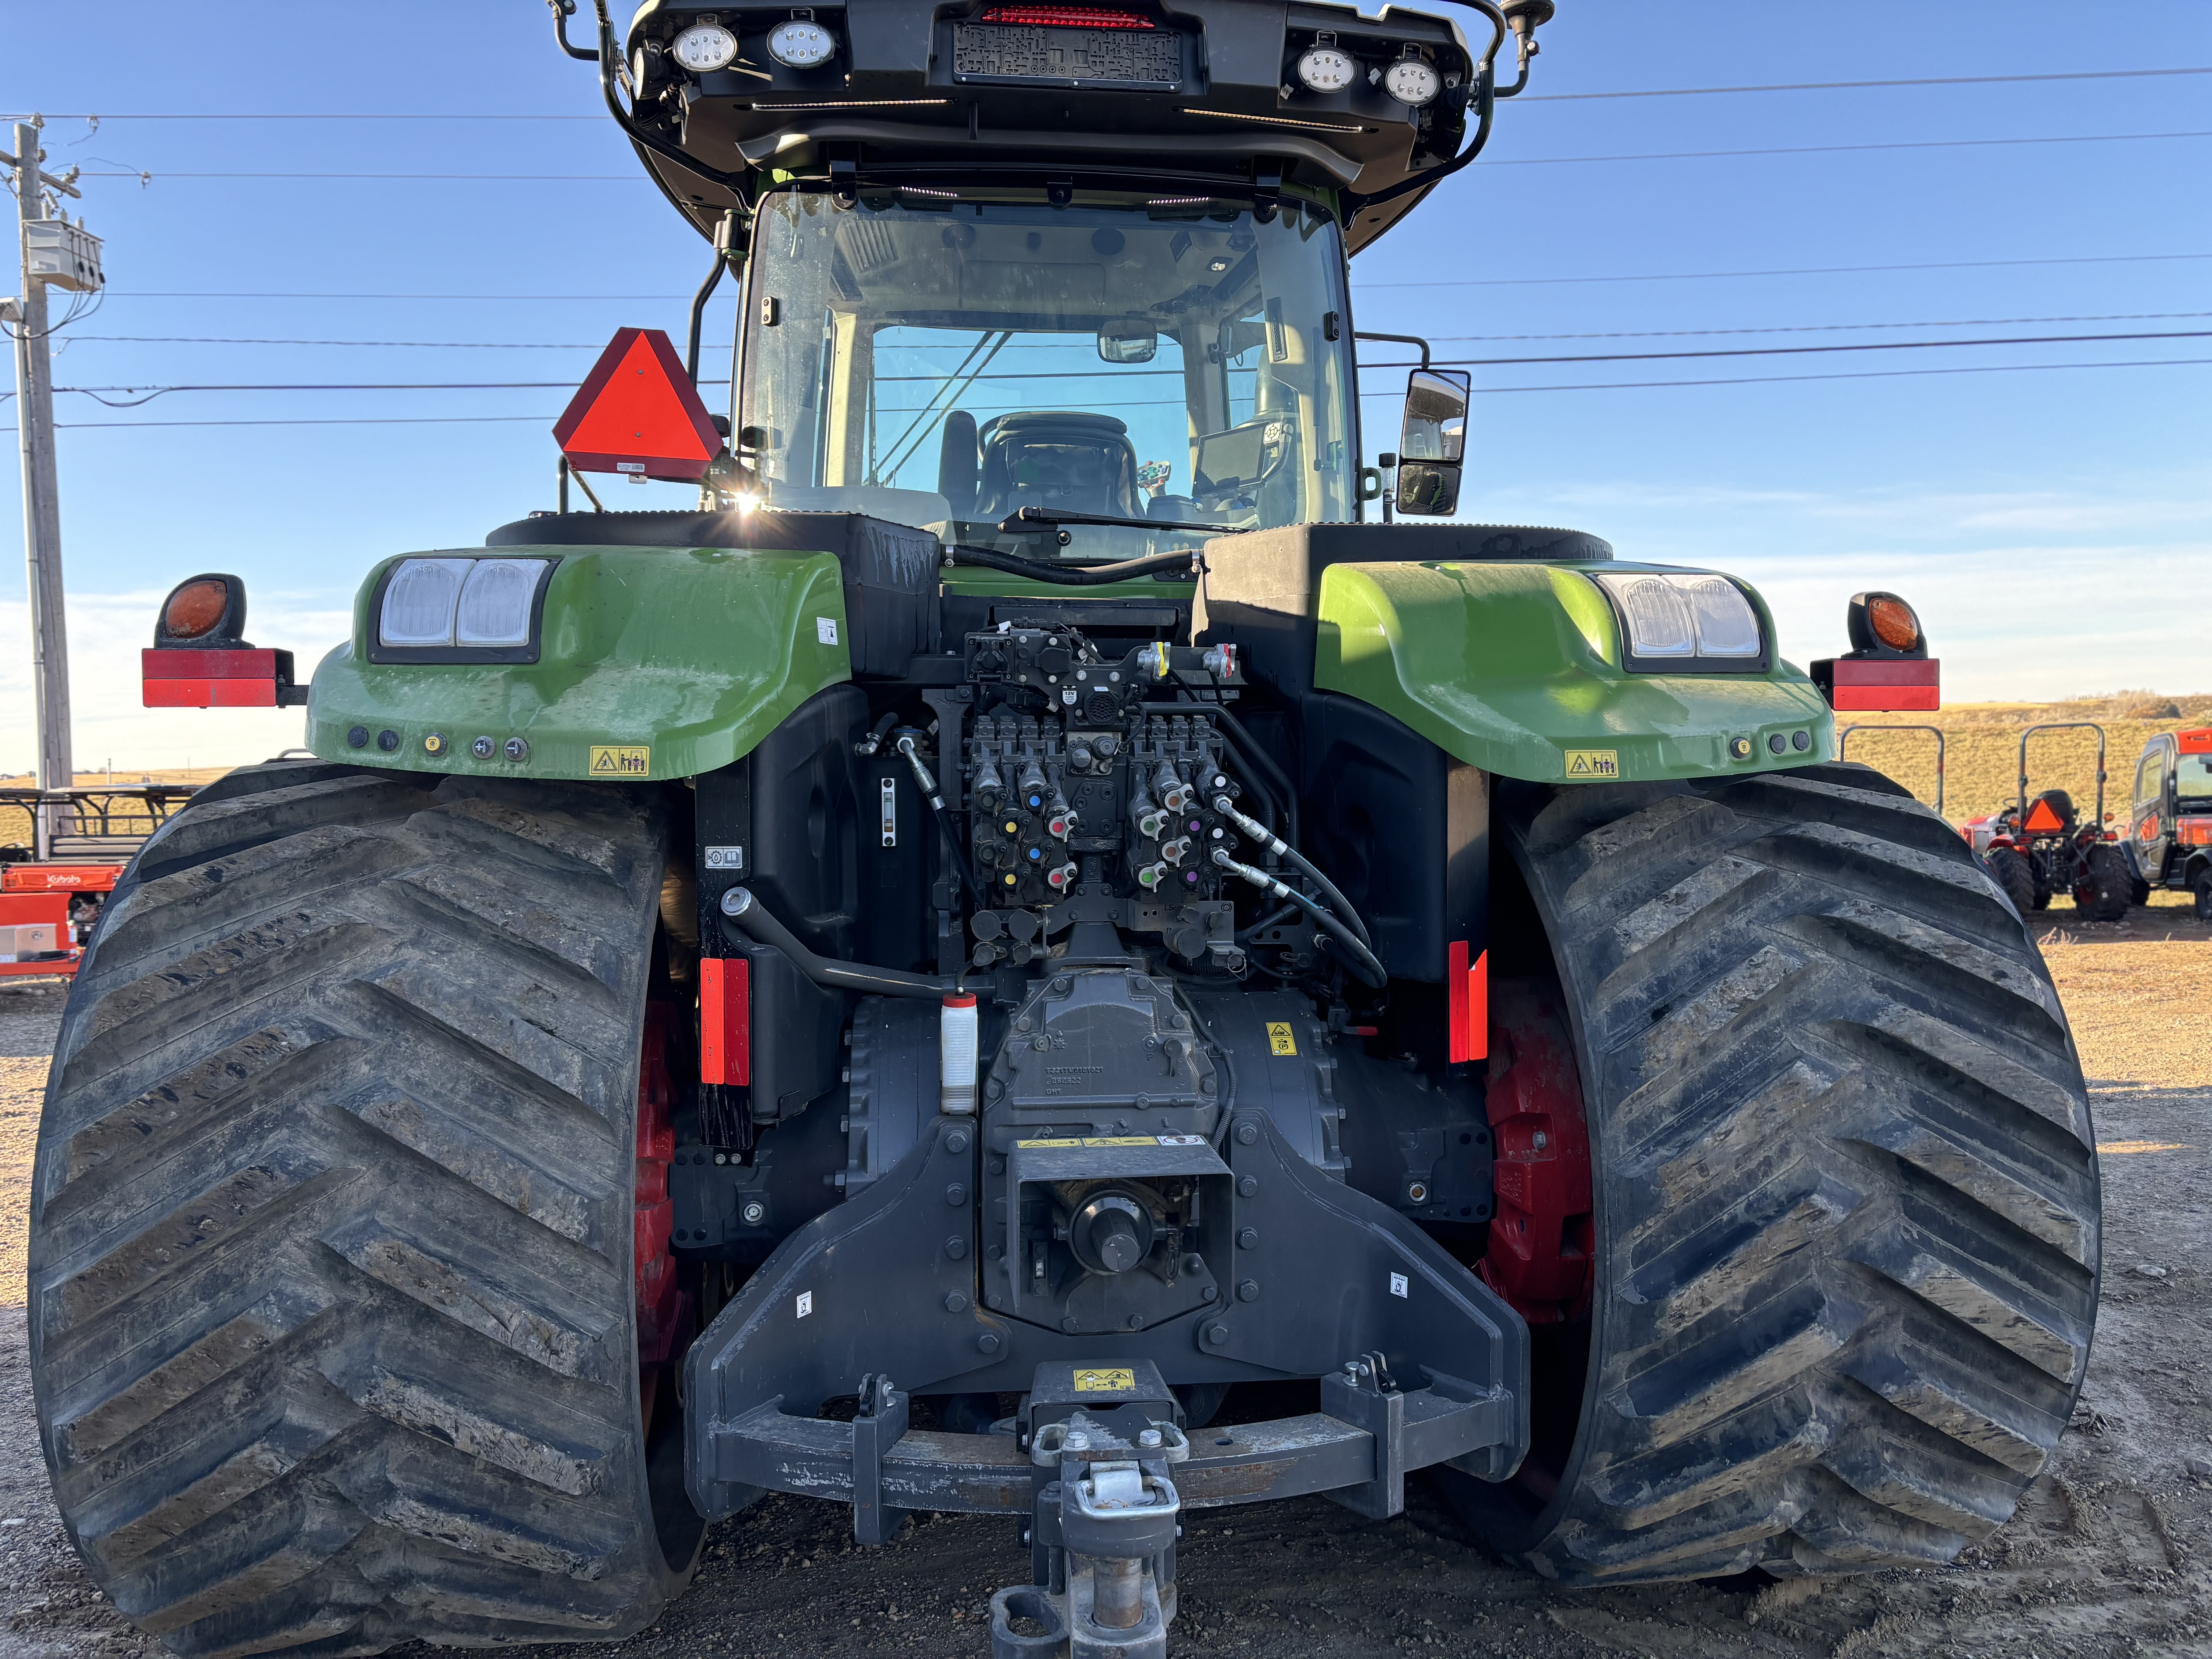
(1609, 334)
(1488, 391)
(424, 345)
(1861, 375)
(1805, 350)
(1525, 98)
(562, 298)
(1855, 86)
(1802, 328)
(1829, 149)
(1498, 162)
(1480, 282)
(152, 392)
(1536, 282)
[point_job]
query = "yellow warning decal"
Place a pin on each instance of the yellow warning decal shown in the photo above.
(1121, 1141)
(1105, 1382)
(1279, 1040)
(1592, 763)
(1025, 1145)
(621, 760)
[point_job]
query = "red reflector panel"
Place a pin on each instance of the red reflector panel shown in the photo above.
(1467, 987)
(2195, 743)
(208, 679)
(637, 411)
(1066, 17)
(2193, 832)
(725, 1016)
(1893, 684)
(2042, 821)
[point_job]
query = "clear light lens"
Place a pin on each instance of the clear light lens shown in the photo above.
(801, 44)
(1412, 82)
(1324, 68)
(1727, 625)
(1659, 622)
(705, 46)
(419, 599)
(1686, 614)
(495, 607)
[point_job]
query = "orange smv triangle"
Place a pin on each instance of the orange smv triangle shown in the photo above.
(637, 411)
(2041, 820)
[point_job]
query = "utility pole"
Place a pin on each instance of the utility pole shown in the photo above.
(42, 518)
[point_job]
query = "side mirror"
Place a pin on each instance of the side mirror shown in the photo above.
(1128, 347)
(957, 464)
(1433, 445)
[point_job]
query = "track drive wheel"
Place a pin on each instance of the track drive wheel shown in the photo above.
(348, 1290)
(2101, 894)
(1844, 1223)
(2010, 872)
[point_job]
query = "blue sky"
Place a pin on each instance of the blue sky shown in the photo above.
(2050, 522)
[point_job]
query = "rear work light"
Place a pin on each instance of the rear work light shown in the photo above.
(1684, 620)
(1066, 17)
(459, 610)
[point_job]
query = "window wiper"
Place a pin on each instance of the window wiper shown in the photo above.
(1030, 519)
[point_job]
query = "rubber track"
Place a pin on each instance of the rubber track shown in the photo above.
(333, 1326)
(1847, 1198)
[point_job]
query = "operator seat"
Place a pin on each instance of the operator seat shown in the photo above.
(2061, 804)
(1060, 459)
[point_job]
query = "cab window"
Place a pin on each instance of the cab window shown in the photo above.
(2150, 778)
(2193, 783)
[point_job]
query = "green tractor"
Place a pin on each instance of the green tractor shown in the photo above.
(1038, 954)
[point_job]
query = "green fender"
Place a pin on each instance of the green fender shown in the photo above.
(691, 655)
(1515, 668)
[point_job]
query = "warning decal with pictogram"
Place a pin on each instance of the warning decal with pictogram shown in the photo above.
(638, 412)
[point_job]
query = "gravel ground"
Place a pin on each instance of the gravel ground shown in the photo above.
(2108, 1556)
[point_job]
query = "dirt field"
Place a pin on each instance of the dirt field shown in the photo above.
(2111, 1555)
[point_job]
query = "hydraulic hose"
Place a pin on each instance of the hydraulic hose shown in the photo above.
(1069, 575)
(739, 905)
(927, 782)
(1247, 749)
(1363, 963)
(1281, 848)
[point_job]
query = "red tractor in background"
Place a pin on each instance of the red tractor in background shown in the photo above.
(2170, 832)
(2038, 847)
(54, 887)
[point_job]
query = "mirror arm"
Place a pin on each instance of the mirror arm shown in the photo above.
(1401, 339)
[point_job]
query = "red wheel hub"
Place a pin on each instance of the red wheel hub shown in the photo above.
(1543, 1235)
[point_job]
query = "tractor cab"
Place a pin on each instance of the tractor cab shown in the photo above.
(954, 364)
(2170, 829)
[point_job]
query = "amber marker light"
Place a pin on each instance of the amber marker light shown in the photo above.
(196, 609)
(1894, 623)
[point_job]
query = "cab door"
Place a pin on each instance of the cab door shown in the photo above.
(2151, 821)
